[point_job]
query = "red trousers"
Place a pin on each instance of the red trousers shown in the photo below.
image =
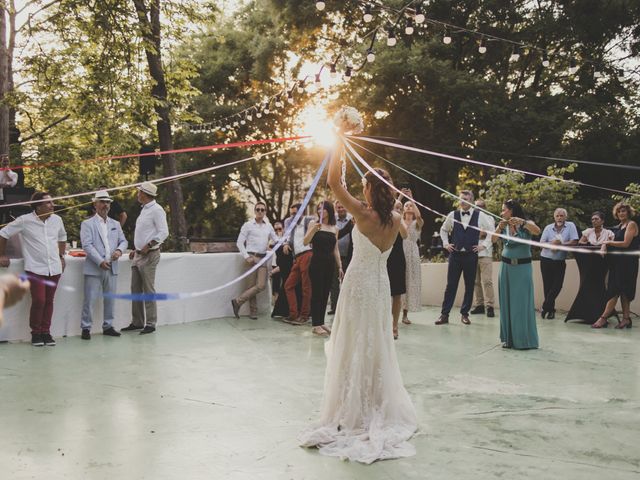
(299, 274)
(41, 301)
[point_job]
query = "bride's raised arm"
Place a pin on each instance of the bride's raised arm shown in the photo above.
(334, 178)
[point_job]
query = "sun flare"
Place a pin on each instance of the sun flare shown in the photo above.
(314, 122)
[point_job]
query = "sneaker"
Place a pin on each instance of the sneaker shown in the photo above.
(86, 334)
(477, 310)
(147, 329)
(111, 332)
(37, 340)
(490, 312)
(130, 328)
(48, 340)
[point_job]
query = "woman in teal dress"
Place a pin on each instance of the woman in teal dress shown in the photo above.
(515, 280)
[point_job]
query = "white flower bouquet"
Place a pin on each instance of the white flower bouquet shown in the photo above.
(349, 120)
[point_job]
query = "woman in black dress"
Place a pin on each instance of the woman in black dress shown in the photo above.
(323, 236)
(397, 269)
(623, 269)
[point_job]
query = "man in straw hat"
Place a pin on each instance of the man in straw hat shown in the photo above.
(151, 230)
(103, 241)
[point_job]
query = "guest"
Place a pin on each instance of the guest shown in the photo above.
(276, 274)
(412, 300)
(43, 248)
(465, 225)
(515, 280)
(323, 236)
(253, 243)
(596, 235)
(552, 262)
(8, 179)
(345, 225)
(397, 270)
(115, 211)
(623, 269)
(103, 241)
(484, 296)
(299, 274)
(284, 260)
(12, 289)
(151, 230)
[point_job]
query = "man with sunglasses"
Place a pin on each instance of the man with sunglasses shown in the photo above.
(253, 242)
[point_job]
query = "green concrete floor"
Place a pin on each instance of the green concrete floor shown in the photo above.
(225, 399)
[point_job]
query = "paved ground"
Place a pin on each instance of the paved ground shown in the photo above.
(225, 398)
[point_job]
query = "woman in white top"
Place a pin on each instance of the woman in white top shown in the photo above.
(597, 235)
(411, 300)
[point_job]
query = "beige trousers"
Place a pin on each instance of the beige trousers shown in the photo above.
(258, 282)
(143, 278)
(484, 283)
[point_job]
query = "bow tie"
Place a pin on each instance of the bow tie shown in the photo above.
(466, 213)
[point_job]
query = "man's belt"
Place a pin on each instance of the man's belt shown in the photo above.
(303, 253)
(150, 250)
(516, 261)
(259, 255)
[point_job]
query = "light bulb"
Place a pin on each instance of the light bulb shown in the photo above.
(482, 48)
(333, 71)
(266, 108)
(391, 39)
(347, 73)
(371, 57)
(249, 118)
(621, 77)
(545, 60)
(320, 5)
(409, 28)
(367, 14)
(258, 114)
(597, 74)
(419, 18)
(447, 38)
(515, 55)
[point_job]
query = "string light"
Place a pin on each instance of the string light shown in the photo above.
(348, 73)
(266, 108)
(367, 13)
(333, 72)
(573, 67)
(446, 39)
(371, 57)
(320, 5)
(391, 38)
(621, 77)
(482, 48)
(515, 54)
(290, 96)
(301, 86)
(545, 59)
(409, 28)
(419, 18)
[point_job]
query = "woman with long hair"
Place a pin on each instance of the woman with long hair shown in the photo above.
(366, 412)
(515, 280)
(411, 301)
(323, 237)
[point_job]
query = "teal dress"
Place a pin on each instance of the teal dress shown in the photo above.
(515, 288)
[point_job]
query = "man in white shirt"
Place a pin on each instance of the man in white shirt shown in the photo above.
(465, 225)
(43, 248)
(103, 241)
(8, 178)
(484, 295)
(151, 230)
(253, 242)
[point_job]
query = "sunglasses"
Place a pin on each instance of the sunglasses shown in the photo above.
(261, 209)
(278, 229)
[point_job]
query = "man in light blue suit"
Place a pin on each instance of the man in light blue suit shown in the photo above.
(103, 241)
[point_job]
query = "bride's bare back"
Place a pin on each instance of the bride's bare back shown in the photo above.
(368, 220)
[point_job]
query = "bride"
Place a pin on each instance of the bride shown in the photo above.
(366, 414)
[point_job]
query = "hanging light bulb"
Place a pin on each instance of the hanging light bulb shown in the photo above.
(446, 39)
(573, 67)
(290, 96)
(301, 86)
(621, 77)
(545, 59)
(235, 124)
(223, 129)
(333, 72)
(391, 39)
(597, 74)
(482, 48)
(367, 13)
(317, 80)
(515, 54)
(409, 28)
(278, 103)
(348, 73)
(249, 117)
(419, 18)
(266, 108)
(228, 126)
(258, 114)
(320, 5)
(243, 121)
(371, 57)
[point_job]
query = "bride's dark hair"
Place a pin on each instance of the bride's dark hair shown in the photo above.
(382, 198)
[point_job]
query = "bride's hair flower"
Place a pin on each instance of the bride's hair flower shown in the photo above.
(349, 120)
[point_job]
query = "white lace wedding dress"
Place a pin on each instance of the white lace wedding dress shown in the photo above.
(366, 413)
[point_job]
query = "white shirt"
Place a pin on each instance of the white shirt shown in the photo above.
(298, 240)
(104, 235)
(9, 179)
(39, 242)
(151, 225)
(254, 237)
(485, 222)
(605, 236)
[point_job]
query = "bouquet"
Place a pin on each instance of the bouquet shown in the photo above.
(349, 120)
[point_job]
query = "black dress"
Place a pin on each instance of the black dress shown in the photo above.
(592, 297)
(623, 269)
(397, 269)
(321, 271)
(285, 262)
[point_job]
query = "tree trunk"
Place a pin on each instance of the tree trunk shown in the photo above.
(4, 82)
(149, 22)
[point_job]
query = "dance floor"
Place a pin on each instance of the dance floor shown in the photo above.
(225, 399)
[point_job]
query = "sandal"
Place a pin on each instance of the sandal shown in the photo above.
(326, 329)
(601, 323)
(625, 323)
(395, 333)
(406, 321)
(321, 332)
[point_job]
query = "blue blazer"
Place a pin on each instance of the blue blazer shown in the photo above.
(94, 247)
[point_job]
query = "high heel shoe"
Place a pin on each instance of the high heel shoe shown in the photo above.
(625, 323)
(599, 324)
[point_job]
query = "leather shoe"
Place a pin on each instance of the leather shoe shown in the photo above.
(147, 329)
(130, 328)
(111, 332)
(236, 308)
(442, 319)
(86, 334)
(490, 312)
(543, 313)
(331, 312)
(477, 310)
(551, 315)
(465, 319)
